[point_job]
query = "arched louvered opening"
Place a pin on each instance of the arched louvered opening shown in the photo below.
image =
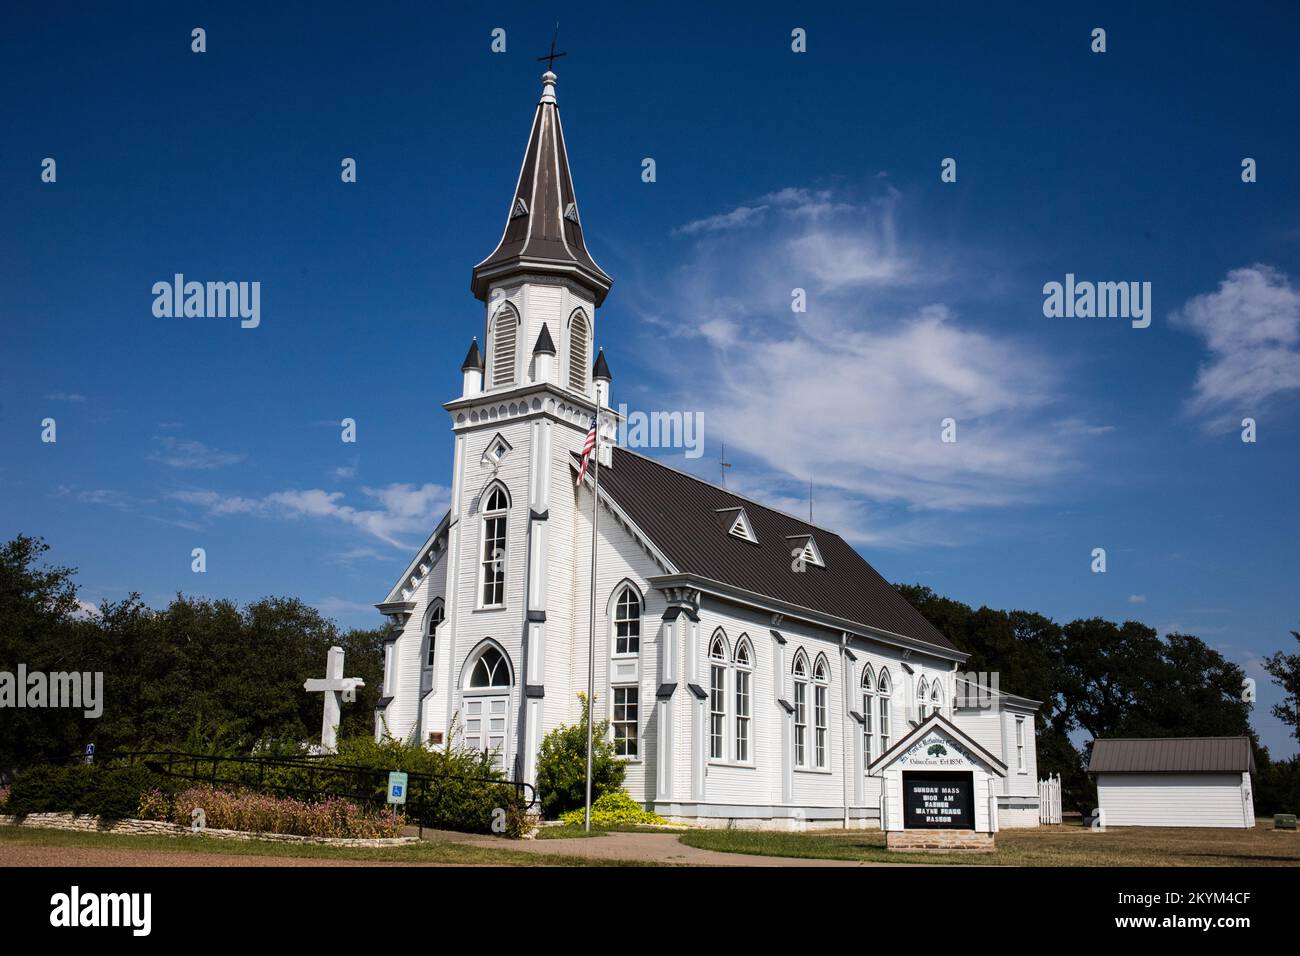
(579, 350)
(503, 339)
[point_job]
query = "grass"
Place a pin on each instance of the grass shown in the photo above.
(1066, 845)
(425, 852)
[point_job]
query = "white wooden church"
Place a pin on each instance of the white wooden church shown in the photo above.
(755, 670)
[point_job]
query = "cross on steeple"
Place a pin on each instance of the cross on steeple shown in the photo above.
(551, 57)
(723, 465)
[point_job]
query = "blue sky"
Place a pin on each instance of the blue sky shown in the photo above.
(775, 170)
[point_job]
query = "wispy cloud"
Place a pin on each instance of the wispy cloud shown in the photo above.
(852, 392)
(402, 508)
(1251, 327)
(186, 454)
(65, 397)
(1137, 599)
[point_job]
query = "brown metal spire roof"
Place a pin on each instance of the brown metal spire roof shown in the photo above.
(543, 229)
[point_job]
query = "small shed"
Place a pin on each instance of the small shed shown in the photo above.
(1174, 782)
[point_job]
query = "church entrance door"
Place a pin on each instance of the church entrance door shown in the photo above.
(486, 720)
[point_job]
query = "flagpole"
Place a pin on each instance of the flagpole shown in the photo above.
(591, 639)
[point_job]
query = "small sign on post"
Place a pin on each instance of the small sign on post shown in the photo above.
(397, 787)
(90, 753)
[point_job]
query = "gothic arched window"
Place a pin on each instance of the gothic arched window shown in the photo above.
(744, 673)
(936, 698)
(885, 686)
(490, 670)
(868, 708)
(502, 340)
(922, 698)
(718, 696)
(800, 672)
(436, 617)
(821, 716)
(627, 622)
(579, 353)
(495, 507)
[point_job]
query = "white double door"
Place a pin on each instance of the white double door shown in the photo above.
(486, 721)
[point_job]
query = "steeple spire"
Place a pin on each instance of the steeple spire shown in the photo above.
(543, 230)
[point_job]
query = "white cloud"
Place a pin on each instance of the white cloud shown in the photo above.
(403, 508)
(1137, 599)
(1251, 327)
(852, 393)
(65, 397)
(181, 453)
(738, 218)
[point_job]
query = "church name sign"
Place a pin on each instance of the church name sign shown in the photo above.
(937, 751)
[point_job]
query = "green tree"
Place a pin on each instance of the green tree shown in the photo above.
(1285, 671)
(562, 765)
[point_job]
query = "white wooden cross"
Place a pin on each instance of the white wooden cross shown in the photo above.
(332, 685)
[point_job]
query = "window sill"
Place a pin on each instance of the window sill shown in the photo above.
(489, 607)
(738, 765)
(823, 773)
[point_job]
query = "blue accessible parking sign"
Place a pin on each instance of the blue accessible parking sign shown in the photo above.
(397, 787)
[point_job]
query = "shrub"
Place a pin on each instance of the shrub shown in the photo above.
(262, 813)
(4, 799)
(464, 793)
(562, 766)
(613, 809)
(108, 791)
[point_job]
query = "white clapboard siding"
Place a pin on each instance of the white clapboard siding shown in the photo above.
(1171, 799)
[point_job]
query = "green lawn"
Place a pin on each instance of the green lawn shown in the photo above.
(426, 851)
(1067, 845)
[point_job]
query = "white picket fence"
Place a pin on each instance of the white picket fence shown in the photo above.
(1049, 799)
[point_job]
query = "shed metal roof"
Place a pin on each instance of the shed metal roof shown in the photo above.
(1172, 755)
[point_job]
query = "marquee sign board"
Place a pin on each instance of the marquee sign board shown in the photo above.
(938, 800)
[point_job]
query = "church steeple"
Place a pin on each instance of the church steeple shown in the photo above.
(543, 231)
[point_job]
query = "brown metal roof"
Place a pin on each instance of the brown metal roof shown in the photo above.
(543, 229)
(1172, 755)
(679, 513)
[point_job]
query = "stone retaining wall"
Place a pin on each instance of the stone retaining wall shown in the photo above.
(939, 841)
(87, 824)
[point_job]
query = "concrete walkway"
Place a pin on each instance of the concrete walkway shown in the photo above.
(659, 848)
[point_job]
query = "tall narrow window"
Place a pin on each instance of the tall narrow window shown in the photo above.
(936, 698)
(1020, 744)
(579, 333)
(922, 699)
(625, 721)
(717, 697)
(800, 710)
(821, 719)
(868, 711)
(504, 336)
(627, 622)
(744, 672)
(885, 688)
(494, 547)
(436, 617)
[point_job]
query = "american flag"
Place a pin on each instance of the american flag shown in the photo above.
(588, 447)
